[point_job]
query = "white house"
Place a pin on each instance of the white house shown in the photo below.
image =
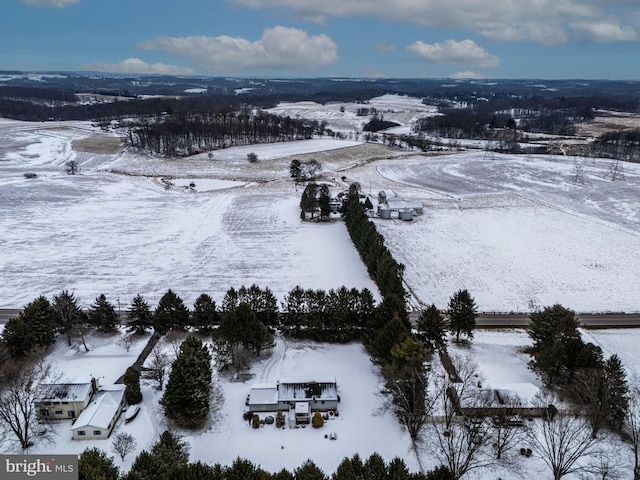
(302, 395)
(100, 416)
(63, 400)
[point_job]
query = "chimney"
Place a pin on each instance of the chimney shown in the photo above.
(94, 385)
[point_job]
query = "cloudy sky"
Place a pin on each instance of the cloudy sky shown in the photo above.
(320, 38)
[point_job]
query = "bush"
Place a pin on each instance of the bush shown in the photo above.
(30, 175)
(255, 421)
(317, 421)
(279, 419)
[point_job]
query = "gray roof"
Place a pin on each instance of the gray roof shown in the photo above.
(63, 392)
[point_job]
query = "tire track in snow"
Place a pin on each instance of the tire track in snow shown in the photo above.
(277, 356)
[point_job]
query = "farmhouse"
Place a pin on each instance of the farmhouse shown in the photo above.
(301, 395)
(64, 400)
(100, 416)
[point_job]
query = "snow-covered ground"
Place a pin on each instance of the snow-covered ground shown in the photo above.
(363, 425)
(515, 231)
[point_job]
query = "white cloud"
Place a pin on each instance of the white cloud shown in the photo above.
(466, 53)
(548, 22)
(606, 32)
(466, 74)
(385, 47)
(279, 48)
(50, 3)
(137, 66)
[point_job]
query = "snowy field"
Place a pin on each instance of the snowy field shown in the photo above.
(99, 232)
(518, 233)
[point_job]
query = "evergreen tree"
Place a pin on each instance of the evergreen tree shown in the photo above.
(309, 471)
(93, 464)
(146, 467)
(241, 328)
(324, 201)
(103, 315)
(375, 468)
(440, 473)
(186, 399)
(67, 314)
(33, 328)
(294, 169)
(170, 449)
(309, 199)
(171, 313)
(205, 316)
(407, 384)
(462, 314)
(432, 328)
(552, 324)
(397, 470)
(132, 391)
(379, 344)
(139, 316)
(616, 391)
(557, 345)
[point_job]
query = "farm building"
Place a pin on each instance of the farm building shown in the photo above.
(390, 202)
(100, 416)
(64, 400)
(301, 394)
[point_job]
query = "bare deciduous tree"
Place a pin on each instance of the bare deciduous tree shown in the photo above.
(460, 447)
(123, 444)
(631, 428)
(22, 384)
(505, 435)
(126, 342)
(158, 364)
(563, 440)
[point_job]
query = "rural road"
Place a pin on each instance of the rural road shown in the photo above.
(486, 320)
(606, 320)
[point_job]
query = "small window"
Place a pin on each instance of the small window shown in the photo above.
(81, 433)
(97, 432)
(59, 412)
(44, 412)
(65, 403)
(71, 414)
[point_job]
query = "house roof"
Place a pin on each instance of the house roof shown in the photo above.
(304, 380)
(63, 392)
(263, 394)
(102, 410)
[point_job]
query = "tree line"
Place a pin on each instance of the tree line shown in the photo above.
(168, 459)
(188, 133)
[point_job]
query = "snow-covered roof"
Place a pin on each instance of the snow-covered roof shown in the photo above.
(302, 408)
(304, 380)
(63, 392)
(263, 394)
(102, 409)
(525, 392)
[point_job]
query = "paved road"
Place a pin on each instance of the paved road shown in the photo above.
(607, 320)
(7, 314)
(484, 320)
